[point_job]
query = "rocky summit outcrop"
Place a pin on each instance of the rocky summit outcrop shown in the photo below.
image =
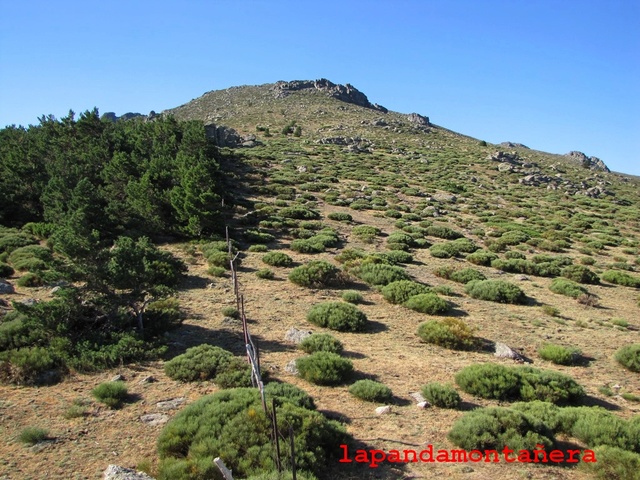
(592, 163)
(346, 93)
(513, 145)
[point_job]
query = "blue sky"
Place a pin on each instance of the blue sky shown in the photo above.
(554, 75)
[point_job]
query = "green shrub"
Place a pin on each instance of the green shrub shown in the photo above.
(449, 332)
(442, 232)
(258, 248)
(31, 258)
(33, 435)
(380, 274)
(428, 303)
(443, 396)
(514, 237)
(230, 312)
(321, 342)
(515, 255)
(629, 357)
(206, 362)
(265, 273)
(516, 265)
(163, 315)
(548, 386)
(6, 270)
(558, 354)
(365, 231)
(621, 278)
(233, 424)
(613, 463)
(324, 368)
(216, 271)
(25, 366)
(518, 383)
(340, 217)
(566, 287)
(352, 296)
(481, 257)
(398, 256)
(400, 291)
(580, 274)
(277, 259)
(30, 279)
(370, 391)
(495, 291)
(339, 316)
(299, 213)
(489, 380)
(494, 427)
(12, 239)
(307, 246)
(443, 250)
(318, 273)
(112, 394)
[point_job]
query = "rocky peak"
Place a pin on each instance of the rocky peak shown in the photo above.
(346, 93)
(592, 163)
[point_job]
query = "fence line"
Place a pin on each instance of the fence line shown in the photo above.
(253, 357)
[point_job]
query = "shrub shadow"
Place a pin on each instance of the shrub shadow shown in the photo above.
(375, 327)
(590, 401)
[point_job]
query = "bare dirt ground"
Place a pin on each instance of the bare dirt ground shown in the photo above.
(390, 351)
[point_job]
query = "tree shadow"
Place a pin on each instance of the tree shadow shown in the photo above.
(193, 282)
(356, 355)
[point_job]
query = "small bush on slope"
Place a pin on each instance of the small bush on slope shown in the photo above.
(492, 380)
(629, 357)
(339, 316)
(232, 424)
(495, 291)
(206, 362)
(449, 332)
(324, 368)
(321, 342)
(428, 303)
(370, 391)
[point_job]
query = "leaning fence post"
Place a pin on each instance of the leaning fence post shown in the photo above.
(226, 473)
(293, 454)
(274, 421)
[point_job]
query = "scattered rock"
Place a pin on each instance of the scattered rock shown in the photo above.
(418, 119)
(444, 197)
(504, 351)
(466, 469)
(118, 378)
(296, 336)
(513, 145)
(114, 472)
(592, 163)
(223, 136)
(418, 397)
(173, 404)
(292, 368)
(423, 405)
(522, 278)
(30, 302)
(148, 379)
(6, 287)
(154, 419)
(385, 410)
